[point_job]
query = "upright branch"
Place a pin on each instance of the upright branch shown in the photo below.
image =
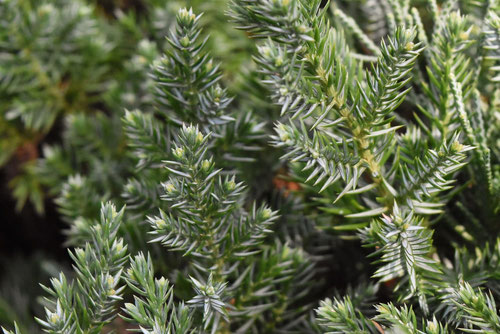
(187, 79)
(87, 304)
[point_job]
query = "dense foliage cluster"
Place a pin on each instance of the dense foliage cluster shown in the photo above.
(281, 166)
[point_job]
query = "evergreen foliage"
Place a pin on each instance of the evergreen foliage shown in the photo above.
(87, 303)
(251, 185)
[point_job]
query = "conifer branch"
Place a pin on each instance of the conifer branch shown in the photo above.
(428, 176)
(209, 297)
(207, 218)
(270, 287)
(147, 138)
(479, 269)
(404, 245)
(326, 160)
(187, 79)
(286, 21)
(340, 316)
(478, 309)
(153, 308)
(404, 320)
(451, 40)
(482, 151)
(492, 44)
(88, 303)
(348, 90)
(385, 92)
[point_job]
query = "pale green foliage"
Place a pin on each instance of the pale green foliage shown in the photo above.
(209, 297)
(207, 219)
(342, 133)
(403, 320)
(479, 310)
(87, 303)
(153, 308)
(404, 244)
(387, 128)
(282, 20)
(187, 78)
(357, 127)
(342, 317)
(424, 177)
(269, 288)
(146, 138)
(208, 222)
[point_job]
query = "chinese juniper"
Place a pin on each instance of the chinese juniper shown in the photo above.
(87, 304)
(388, 129)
